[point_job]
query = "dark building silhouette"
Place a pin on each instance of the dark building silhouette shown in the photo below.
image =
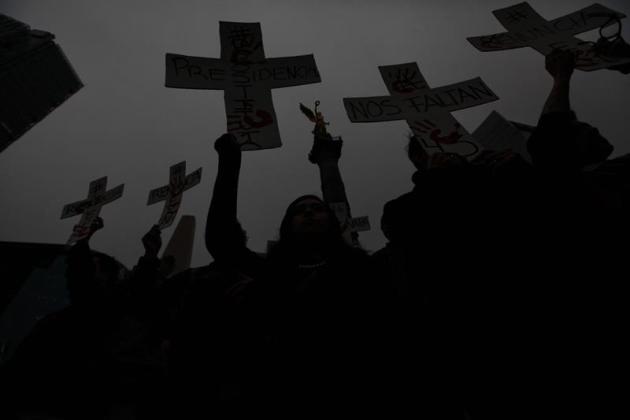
(35, 78)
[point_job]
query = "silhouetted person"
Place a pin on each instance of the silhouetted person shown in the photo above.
(145, 289)
(103, 355)
(313, 302)
(572, 156)
(454, 245)
(564, 151)
(579, 253)
(64, 367)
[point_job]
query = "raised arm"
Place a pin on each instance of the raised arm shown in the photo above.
(560, 143)
(325, 154)
(146, 274)
(224, 235)
(551, 142)
(560, 66)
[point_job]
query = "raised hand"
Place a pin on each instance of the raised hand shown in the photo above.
(96, 225)
(152, 241)
(560, 64)
(325, 149)
(227, 146)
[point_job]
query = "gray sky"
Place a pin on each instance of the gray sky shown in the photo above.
(125, 124)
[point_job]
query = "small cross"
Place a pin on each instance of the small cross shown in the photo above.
(173, 192)
(89, 208)
(347, 223)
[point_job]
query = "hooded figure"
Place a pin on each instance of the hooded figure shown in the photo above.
(313, 301)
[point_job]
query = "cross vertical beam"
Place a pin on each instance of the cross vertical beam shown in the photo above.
(173, 193)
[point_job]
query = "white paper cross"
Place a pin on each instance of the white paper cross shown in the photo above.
(526, 28)
(173, 192)
(427, 111)
(246, 77)
(90, 208)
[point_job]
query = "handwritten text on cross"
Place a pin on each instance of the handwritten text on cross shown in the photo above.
(526, 28)
(427, 111)
(246, 77)
(98, 196)
(346, 221)
(173, 192)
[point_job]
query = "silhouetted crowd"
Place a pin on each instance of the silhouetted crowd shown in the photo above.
(499, 294)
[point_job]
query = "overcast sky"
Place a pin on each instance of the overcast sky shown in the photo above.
(125, 124)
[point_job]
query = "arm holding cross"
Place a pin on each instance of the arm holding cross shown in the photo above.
(560, 65)
(224, 237)
(326, 153)
(146, 293)
(560, 142)
(79, 256)
(96, 225)
(147, 272)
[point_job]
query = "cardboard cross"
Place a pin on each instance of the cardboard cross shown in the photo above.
(526, 28)
(90, 208)
(347, 222)
(497, 133)
(360, 224)
(246, 77)
(173, 192)
(427, 111)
